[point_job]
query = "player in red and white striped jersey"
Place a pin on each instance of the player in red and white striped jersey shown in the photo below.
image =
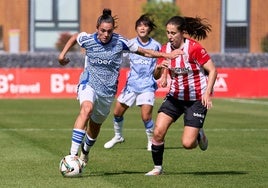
(193, 75)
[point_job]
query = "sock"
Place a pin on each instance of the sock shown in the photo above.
(158, 167)
(149, 129)
(157, 154)
(77, 138)
(118, 126)
(89, 142)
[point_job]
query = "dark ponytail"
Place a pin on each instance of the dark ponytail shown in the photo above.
(107, 11)
(196, 28)
(107, 18)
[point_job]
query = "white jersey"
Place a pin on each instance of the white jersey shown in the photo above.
(103, 61)
(140, 78)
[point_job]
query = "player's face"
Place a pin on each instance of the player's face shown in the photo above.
(175, 37)
(105, 32)
(143, 30)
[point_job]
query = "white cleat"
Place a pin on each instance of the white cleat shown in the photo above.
(203, 141)
(155, 172)
(113, 141)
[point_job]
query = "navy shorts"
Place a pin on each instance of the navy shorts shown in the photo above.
(194, 112)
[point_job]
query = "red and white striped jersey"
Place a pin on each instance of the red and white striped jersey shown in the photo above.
(188, 77)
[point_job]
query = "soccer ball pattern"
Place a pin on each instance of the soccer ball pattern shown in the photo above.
(71, 166)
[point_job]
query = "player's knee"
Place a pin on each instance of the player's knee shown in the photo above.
(85, 111)
(188, 144)
(158, 136)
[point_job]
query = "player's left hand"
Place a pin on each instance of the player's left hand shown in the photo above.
(206, 101)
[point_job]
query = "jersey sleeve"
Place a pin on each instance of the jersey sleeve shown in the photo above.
(82, 38)
(132, 46)
(200, 54)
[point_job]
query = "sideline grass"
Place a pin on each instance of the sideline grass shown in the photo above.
(35, 135)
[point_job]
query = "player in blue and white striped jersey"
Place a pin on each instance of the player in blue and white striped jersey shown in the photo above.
(141, 85)
(98, 84)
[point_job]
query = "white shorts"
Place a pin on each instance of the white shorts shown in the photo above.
(128, 98)
(101, 105)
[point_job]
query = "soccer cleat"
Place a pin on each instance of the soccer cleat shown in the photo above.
(113, 141)
(202, 141)
(155, 172)
(84, 156)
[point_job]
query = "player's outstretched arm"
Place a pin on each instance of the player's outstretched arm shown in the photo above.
(156, 54)
(70, 43)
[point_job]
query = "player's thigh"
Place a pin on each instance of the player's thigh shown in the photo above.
(163, 122)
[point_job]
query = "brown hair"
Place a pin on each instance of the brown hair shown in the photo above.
(107, 18)
(196, 28)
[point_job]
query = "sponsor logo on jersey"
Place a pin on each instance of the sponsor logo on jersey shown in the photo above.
(180, 71)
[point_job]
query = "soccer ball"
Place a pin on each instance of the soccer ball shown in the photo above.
(71, 166)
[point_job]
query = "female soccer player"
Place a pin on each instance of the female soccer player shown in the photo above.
(140, 86)
(193, 75)
(98, 83)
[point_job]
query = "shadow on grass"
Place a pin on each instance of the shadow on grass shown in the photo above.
(111, 173)
(211, 173)
(206, 173)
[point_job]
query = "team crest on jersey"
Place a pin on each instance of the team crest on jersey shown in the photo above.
(203, 51)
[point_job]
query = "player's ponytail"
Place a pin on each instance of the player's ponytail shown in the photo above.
(107, 11)
(107, 18)
(196, 28)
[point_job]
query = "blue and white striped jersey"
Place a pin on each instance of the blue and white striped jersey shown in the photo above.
(103, 61)
(140, 78)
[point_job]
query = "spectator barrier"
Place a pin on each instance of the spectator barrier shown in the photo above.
(62, 83)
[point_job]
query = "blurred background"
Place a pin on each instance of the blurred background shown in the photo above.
(32, 33)
(42, 25)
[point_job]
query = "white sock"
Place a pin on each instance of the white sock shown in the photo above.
(149, 135)
(118, 126)
(158, 167)
(77, 138)
(149, 129)
(89, 142)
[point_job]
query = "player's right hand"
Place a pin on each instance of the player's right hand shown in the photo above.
(63, 60)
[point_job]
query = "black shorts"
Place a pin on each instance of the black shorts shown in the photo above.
(194, 112)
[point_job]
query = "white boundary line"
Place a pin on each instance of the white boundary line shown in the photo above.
(248, 101)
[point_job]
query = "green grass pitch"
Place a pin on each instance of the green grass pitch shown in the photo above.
(36, 134)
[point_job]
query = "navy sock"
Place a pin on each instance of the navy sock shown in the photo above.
(157, 154)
